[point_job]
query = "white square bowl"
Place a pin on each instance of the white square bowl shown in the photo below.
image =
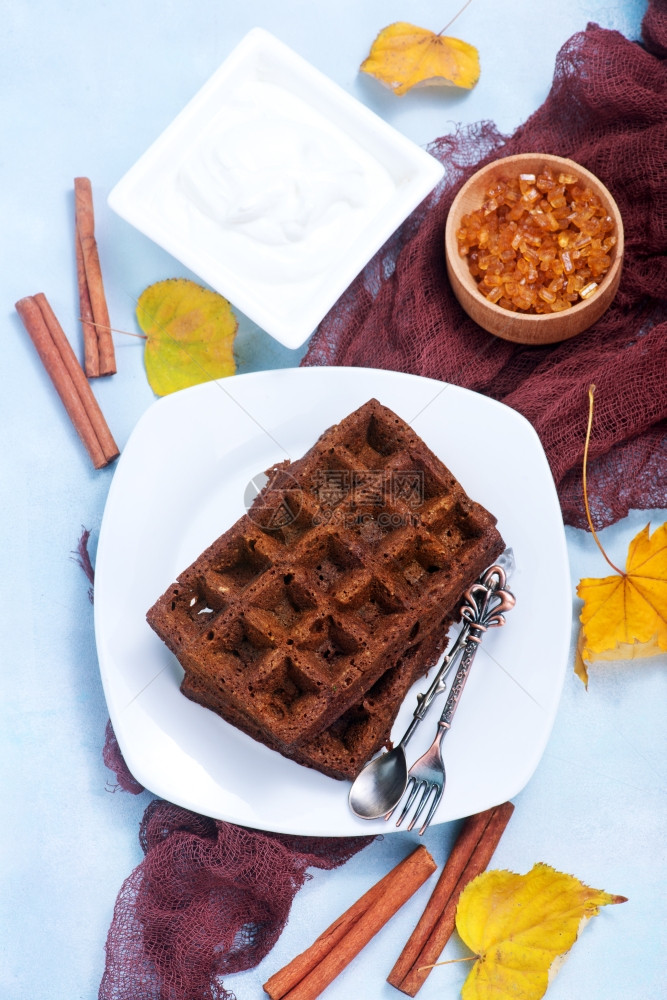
(300, 148)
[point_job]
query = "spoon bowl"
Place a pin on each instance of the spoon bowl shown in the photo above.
(380, 784)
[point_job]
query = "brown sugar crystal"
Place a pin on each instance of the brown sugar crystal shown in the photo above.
(540, 243)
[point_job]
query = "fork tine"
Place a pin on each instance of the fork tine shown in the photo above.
(431, 812)
(428, 788)
(416, 787)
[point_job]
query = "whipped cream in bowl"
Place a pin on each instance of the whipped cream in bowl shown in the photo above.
(275, 186)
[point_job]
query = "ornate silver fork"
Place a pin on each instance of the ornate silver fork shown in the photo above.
(483, 607)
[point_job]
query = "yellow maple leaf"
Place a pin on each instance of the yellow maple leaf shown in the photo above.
(189, 334)
(519, 926)
(625, 615)
(405, 56)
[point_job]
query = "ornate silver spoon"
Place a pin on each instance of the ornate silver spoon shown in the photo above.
(380, 784)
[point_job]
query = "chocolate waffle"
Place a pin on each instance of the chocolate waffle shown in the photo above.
(342, 749)
(347, 556)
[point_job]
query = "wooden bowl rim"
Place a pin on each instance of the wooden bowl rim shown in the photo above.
(459, 265)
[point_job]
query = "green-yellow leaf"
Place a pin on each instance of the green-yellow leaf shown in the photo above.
(519, 926)
(189, 335)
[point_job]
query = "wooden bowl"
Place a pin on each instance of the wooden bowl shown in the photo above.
(527, 328)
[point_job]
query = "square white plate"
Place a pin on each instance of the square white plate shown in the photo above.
(272, 110)
(180, 483)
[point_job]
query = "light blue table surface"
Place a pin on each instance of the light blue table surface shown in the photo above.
(85, 88)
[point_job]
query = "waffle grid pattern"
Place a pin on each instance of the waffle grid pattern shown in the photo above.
(308, 620)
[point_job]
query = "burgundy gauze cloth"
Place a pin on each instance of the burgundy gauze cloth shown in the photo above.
(607, 110)
(209, 899)
(114, 760)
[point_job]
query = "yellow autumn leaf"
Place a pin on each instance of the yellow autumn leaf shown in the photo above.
(625, 615)
(405, 56)
(518, 926)
(189, 334)
(624, 651)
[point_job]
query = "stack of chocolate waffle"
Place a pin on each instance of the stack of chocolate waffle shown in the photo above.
(306, 623)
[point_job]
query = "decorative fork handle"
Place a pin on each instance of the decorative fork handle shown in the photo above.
(475, 604)
(483, 608)
(439, 684)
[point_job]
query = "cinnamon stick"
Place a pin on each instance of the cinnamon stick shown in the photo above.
(470, 856)
(306, 976)
(68, 378)
(99, 355)
(91, 353)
